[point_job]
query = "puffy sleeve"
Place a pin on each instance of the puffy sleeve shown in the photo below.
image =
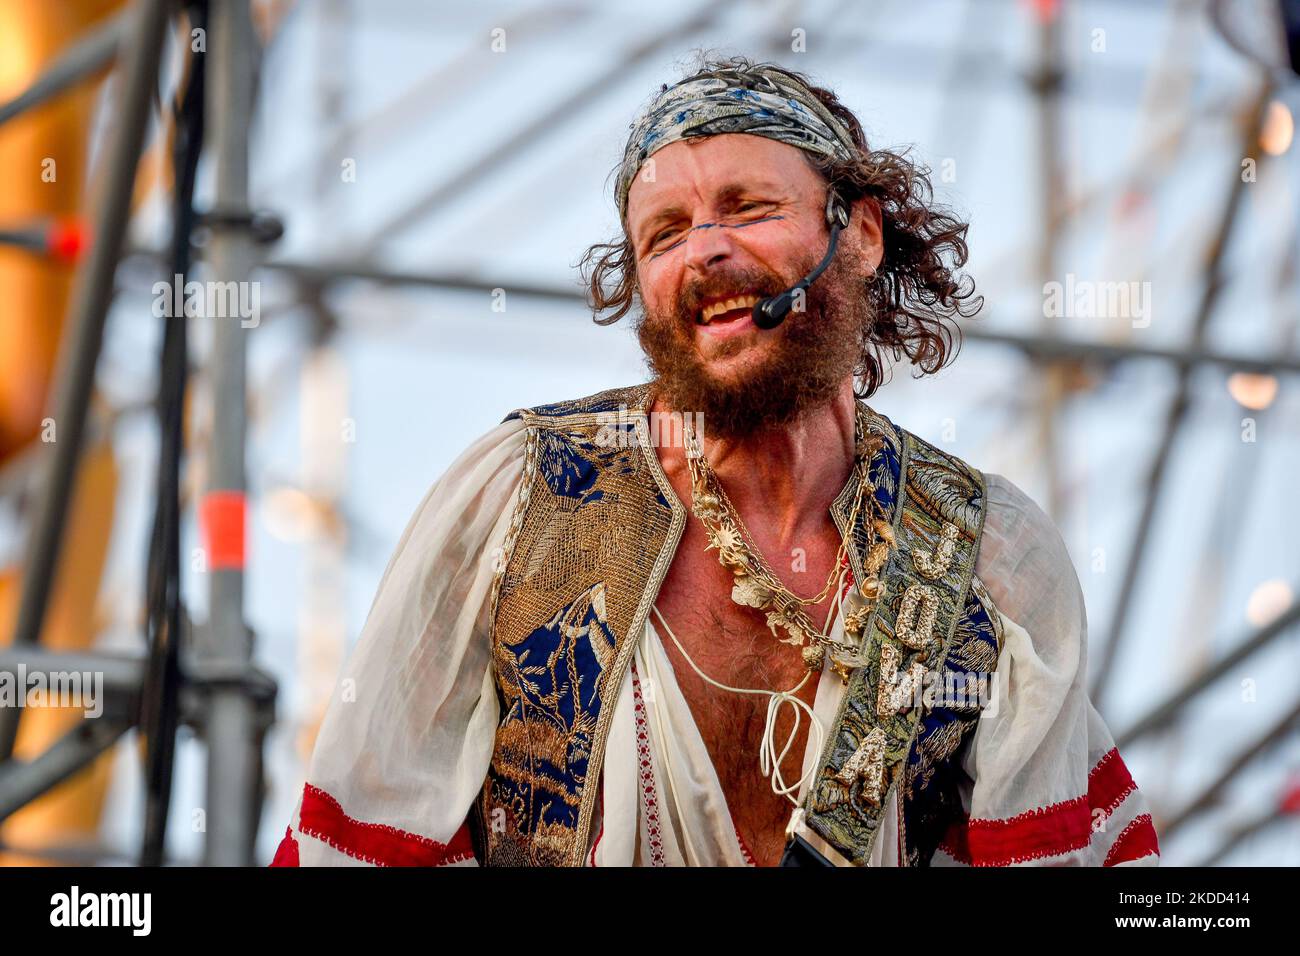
(1044, 783)
(407, 737)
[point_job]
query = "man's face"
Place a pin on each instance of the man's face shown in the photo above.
(724, 222)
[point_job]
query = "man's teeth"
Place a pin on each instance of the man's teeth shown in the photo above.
(717, 308)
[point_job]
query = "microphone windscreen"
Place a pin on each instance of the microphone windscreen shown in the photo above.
(770, 313)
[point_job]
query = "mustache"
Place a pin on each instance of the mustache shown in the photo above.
(760, 282)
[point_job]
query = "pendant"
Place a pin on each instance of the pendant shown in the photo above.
(843, 670)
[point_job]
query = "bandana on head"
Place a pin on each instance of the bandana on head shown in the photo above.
(759, 101)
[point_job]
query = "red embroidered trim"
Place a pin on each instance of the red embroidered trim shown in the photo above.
(1047, 831)
(1109, 783)
(597, 843)
(649, 796)
(1037, 833)
(1135, 841)
(287, 852)
(322, 817)
(744, 847)
(592, 858)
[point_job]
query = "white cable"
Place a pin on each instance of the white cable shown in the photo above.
(769, 761)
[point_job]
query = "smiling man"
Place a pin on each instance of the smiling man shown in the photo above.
(733, 615)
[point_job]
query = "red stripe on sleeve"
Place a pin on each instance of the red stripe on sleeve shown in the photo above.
(1045, 831)
(287, 853)
(1135, 841)
(1109, 783)
(1058, 829)
(323, 818)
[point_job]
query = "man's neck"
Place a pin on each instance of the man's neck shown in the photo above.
(781, 479)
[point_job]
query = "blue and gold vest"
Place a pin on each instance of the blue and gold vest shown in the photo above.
(592, 536)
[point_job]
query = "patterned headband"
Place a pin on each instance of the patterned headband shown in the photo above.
(759, 101)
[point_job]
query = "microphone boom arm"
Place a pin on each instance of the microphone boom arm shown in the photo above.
(771, 312)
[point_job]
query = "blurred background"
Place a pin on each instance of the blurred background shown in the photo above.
(406, 188)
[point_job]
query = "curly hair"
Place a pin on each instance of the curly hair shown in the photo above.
(916, 291)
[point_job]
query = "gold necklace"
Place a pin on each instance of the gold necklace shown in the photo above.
(757, 585)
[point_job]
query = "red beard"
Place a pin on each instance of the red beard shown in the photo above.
(799, 365)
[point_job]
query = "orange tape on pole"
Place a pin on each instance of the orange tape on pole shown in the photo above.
(222, 515)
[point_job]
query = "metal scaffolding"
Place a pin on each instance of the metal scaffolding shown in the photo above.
(206, 676)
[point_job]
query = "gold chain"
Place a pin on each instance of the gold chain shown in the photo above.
(757, 585)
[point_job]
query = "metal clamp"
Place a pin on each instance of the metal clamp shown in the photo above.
(264, 226)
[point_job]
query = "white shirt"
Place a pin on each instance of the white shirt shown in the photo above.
(407, 739)
(656, 758)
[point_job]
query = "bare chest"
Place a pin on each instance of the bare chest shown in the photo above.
(733, 645)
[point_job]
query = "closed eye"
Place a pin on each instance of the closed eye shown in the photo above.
(672, 236)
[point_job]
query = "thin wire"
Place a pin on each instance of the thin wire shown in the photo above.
(702, 472)
(769, 761)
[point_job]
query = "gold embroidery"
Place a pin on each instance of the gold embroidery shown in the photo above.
(588, 546)
(577, 541)
(938, 517)
(915, 625)
(934, 565)
(867, 764)
(895, 694)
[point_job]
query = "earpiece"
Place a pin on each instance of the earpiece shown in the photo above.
(837, 210)
(771, 312)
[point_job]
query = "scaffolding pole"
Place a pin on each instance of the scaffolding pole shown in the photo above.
(1261, 823)
(85, 334)
(231, 726)
(1162, 713)
(1209, 796)
(546, 121)
(1039, 348)
(1177, 412)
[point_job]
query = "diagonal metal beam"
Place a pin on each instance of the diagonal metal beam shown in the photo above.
(83, 59)
(91, 297)
(545, 122)
(22, 782)
(1178, 409)
(1265, 821)
(1209, 796)
(394, 119)
(1165, 711)
(1042, 348)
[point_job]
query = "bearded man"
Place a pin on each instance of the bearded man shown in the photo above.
(733, 615)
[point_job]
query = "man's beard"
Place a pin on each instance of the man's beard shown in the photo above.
(800, 365)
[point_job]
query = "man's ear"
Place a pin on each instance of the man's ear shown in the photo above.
(868, 224)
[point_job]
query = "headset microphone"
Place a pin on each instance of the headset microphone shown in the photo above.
(771, 312)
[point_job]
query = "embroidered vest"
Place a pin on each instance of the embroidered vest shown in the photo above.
(592, 536)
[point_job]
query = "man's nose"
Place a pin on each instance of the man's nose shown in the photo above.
(707, 245)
